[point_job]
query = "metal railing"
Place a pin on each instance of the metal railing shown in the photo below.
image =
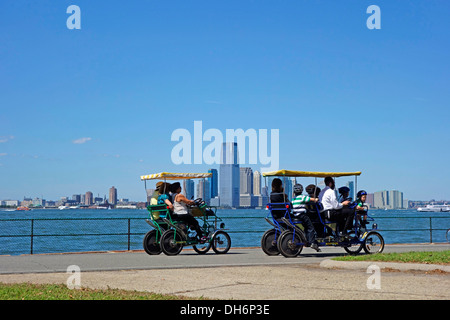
(45, 235)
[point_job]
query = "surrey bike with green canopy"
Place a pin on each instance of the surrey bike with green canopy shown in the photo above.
(170, 235)
(288, 237)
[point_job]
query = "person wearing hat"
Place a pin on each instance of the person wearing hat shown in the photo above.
(154, 198)
(344, 193)
(181, 211)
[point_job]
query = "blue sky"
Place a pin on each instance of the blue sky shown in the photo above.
(343, 97)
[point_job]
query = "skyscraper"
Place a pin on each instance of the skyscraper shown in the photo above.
(214, 183)
(203, 190)
(89, 199)
(351, 186)
(112, 195)
(246, 180)
(256, 183)
(229, 175)
(188, 188)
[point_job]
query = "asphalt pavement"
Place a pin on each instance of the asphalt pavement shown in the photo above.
(242, 273)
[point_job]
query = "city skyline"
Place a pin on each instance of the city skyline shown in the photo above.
(78, 107)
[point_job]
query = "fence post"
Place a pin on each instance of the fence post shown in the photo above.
(31, 235)
(129, 229)
(431, 232)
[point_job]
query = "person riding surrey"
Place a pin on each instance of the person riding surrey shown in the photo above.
(181, 211)
(278, 196)
(361, 208)
(299, 210)
(344, 194)
(334, 210)
(164, 196)
(155, 195)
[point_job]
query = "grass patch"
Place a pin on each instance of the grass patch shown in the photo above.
(427, 257)
(27, 291)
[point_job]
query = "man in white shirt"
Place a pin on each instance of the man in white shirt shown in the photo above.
(333, 209)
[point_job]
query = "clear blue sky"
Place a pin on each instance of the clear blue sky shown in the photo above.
(344, 97)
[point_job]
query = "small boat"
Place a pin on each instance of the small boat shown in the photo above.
(435, 208)
(23, 209)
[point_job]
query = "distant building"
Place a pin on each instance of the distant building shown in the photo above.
(395, 199)
(392, 199)
(37, 202)
(246, 180)
(88, 199)
(370, 199)
(229, 175)
(188, 189)
(256, 183)
(203, 190)
(351, 186)
(11, 203)
(112, 196)
(214, 183)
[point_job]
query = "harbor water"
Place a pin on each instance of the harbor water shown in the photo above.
(77, 230)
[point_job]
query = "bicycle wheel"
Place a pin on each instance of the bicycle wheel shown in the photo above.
(269, 242)
(150, 243)
(354, 247)
(202, 248)
(289, 244)
(373, 243)
(170, 242)
(221, 242)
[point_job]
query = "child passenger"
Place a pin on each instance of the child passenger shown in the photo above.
(361, 208)
(299, 210)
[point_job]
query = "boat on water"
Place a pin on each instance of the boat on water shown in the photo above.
(23, 209)
(435, 208)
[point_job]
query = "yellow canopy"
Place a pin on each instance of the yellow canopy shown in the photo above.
(292, 173)
(175, 176)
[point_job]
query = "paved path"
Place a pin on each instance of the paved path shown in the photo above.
(240, 274)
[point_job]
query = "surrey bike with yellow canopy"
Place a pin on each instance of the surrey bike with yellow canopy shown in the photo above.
(288, 236)
(170, 235)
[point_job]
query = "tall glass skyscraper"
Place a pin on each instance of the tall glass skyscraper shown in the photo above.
(229, 175)
(214, 183)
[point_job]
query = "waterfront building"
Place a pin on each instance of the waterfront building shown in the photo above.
(11, 203)
(396, 199)
(203, 190)
(229, 175)
(381, 199)
(214, 183)
(37, 202)
(256, 183)
(26, 202)
(188, 189)
(88, 199)
(392, 199)
(370, 199)
(246, 180)
(76, 198)
(113, 196)
(351, 186)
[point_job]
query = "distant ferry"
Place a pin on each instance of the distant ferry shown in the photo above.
(23, 209)
(71, 207)
(435, 208)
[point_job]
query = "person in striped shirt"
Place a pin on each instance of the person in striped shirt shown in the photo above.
(299, 210)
